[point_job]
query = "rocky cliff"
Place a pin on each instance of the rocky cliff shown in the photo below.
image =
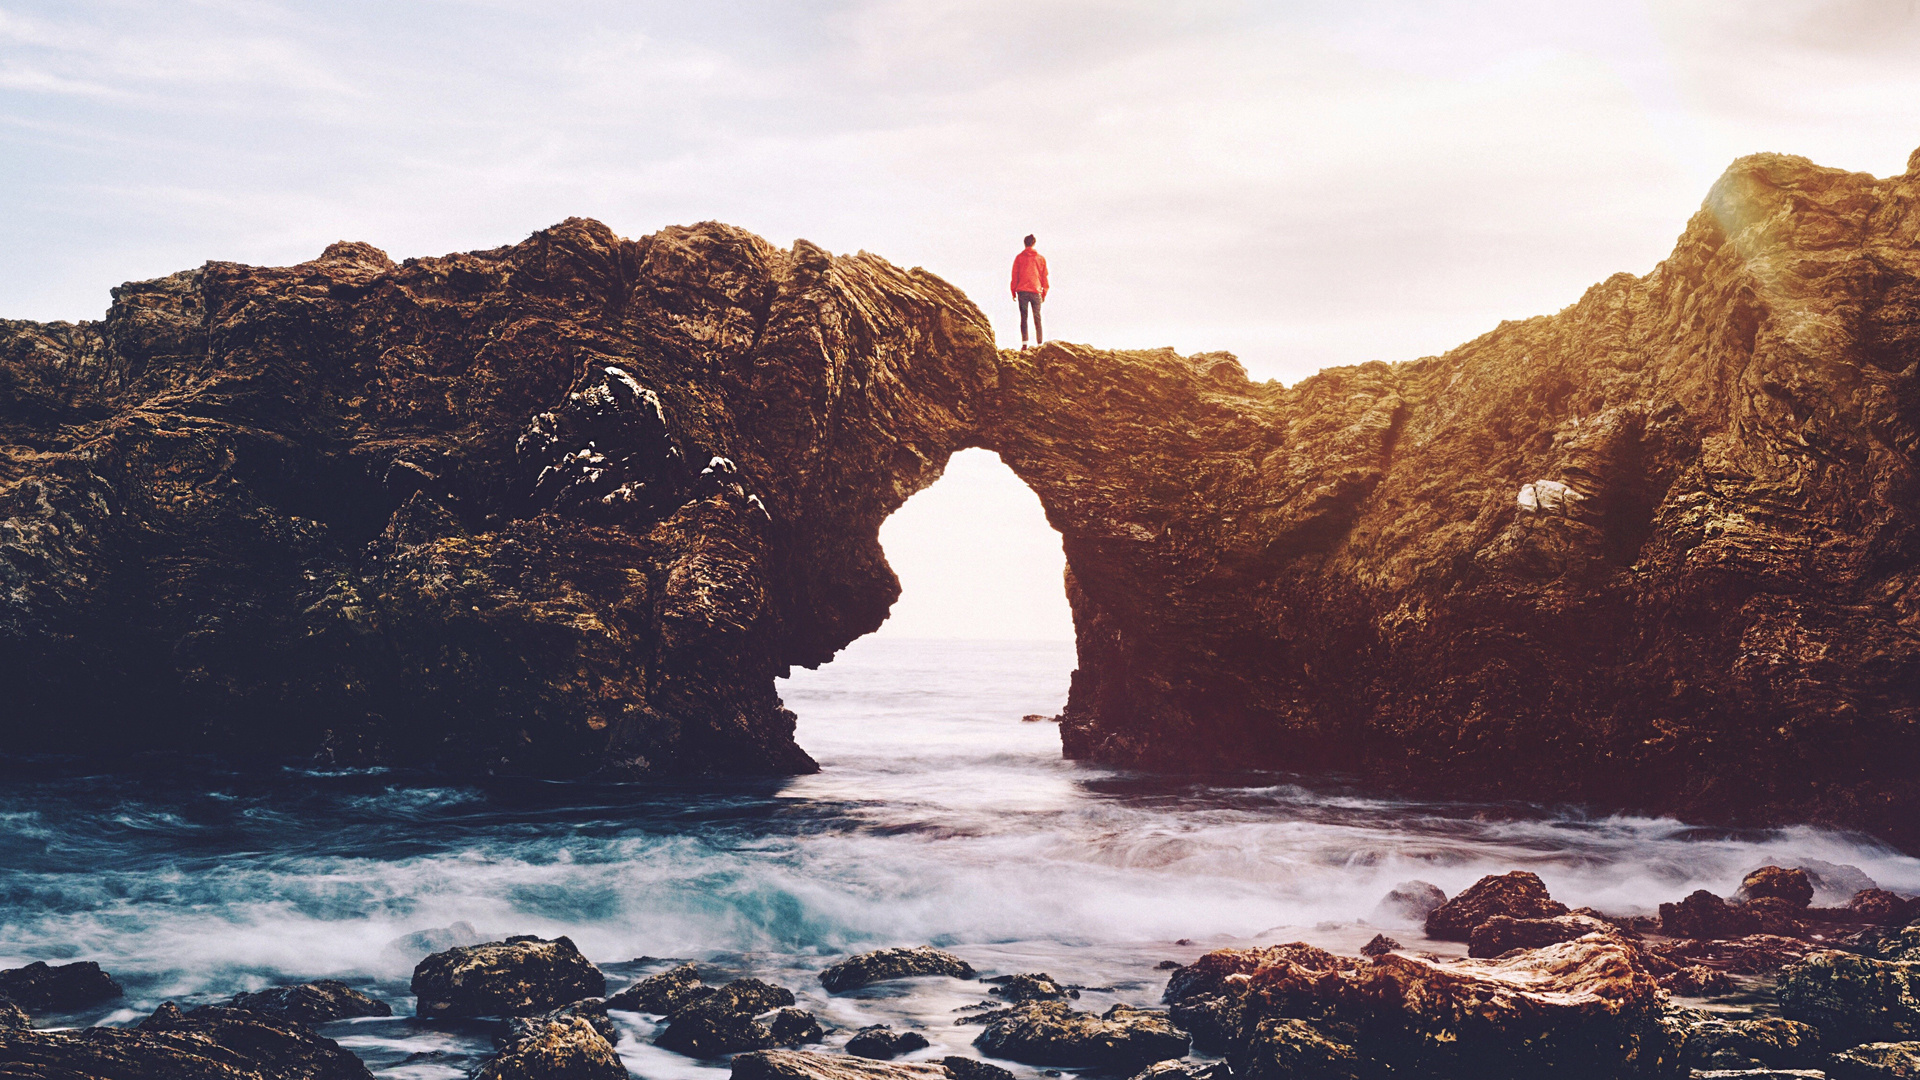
(573, 504)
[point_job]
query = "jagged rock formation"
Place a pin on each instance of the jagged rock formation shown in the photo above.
(573, 504)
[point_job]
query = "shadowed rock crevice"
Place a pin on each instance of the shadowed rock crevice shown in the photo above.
(571, 506)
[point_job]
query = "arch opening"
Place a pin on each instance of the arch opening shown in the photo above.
(980, 637)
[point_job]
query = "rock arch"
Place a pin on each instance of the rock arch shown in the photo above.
(571, 506)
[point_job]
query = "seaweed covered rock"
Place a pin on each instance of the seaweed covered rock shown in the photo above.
(41, 988)
(663, 993)
(317, 1002)
(516, 977)
(568, 1048)
(1517, 894)
(1853, 999)
(884, 964)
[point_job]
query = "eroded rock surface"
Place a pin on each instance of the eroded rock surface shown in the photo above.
(516, 977)
(209, 1043)
(1517, 894)
(572, 505)
(317, 1002)
(1853, 999)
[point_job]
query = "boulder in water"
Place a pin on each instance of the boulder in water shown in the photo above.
(804, 1065)
(883, 1043)
(317, 1002)
(1408, 904)
(561, 1048)
(1793, 886)
(1123, 1039)
(664, 993)
(1380, 945)
(520, 976)
(40, 988)
(793, 1027)
(1033, 987)
(1853, 999)
(1518, 894)
(884, 964)
(211, 1043)
(724, 1022)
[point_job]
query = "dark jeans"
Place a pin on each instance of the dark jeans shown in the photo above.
(1030, 300)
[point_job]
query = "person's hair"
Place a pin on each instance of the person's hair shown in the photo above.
(1029, 240)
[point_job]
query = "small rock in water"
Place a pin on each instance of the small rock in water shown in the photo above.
(723, 1022)
(520, 976)
(569, 1048)
(662, 994)
(884, 964)
(1381, 945)
(317, 1002)
(1518, 894)
(1034, 987)
(1408, 904)
(1793, 886)
(966, 1068)
(883, 1043)
(1038, 718)
(792, 1027)
(38, 988)
(1167, 965)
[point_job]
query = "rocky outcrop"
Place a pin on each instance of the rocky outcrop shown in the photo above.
(316, 1002)
(209, 1043)
(1124, 1039)
(571, 505)
(663, 993)
(884, 964)
(727, 1021)
(41, 988)
(516, 977)
(1517, 894)
(882, 1043)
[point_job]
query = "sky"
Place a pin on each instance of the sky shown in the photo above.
(1302, 184)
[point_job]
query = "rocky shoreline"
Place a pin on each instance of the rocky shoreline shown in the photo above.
(1543, 992)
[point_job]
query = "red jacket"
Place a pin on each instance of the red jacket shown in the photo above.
(1030, 272)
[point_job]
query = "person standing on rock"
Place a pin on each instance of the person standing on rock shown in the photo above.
(1030, 288)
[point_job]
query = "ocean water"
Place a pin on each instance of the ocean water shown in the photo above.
(939, 816)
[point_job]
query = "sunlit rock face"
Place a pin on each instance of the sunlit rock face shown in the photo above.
(572, 505)
(1703, 599)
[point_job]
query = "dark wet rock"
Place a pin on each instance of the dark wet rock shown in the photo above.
(1032, 987)
(1582, 1008)
(1213, 1020)
(290, 1053)
(591, 1010)
(805, 1065)
(1215, 972)
(794, 1027)
(882, 1043)
(1853, 999)
(664, 993)
(1408, 904)
(1123, 1039)
(1518, 894)
(317, 1002)
(1183, 1069)
(1704, 916)
(884, 964)
(1876, 1061)
(1381, 945)
(966, 1068)
(1793, 886)
(520, 976)
(40, 988)
(1768, 1042)
(1167, 965)
(274, 1046)
(1882, 908)
(555, 1048)
(13, 1017)
(1499, 933)
(724, 1022)
(1291, 1049)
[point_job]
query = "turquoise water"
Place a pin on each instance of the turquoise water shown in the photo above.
(938, 817)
